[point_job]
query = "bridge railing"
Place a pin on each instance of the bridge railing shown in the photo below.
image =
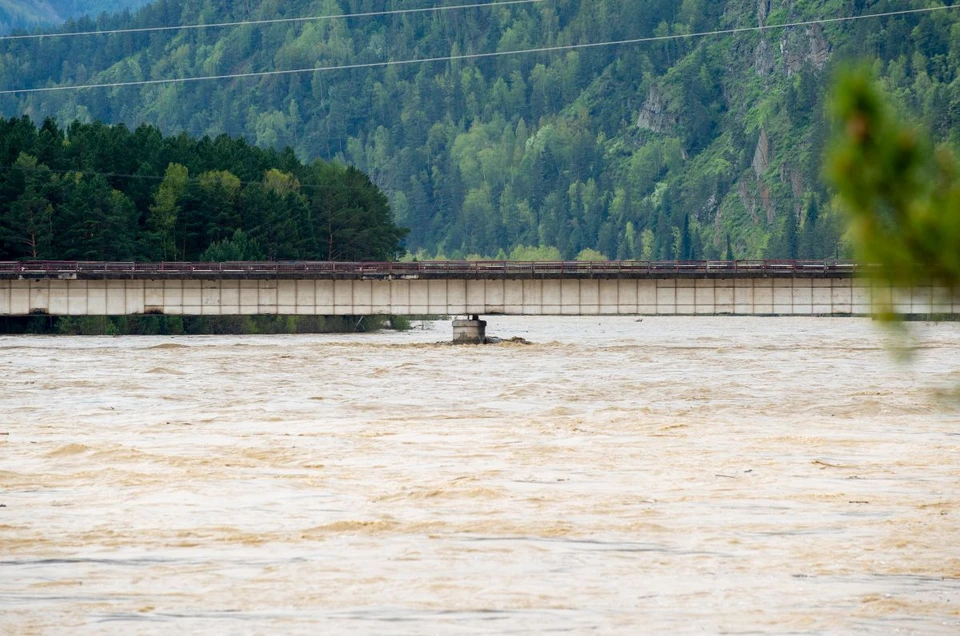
(433, 268)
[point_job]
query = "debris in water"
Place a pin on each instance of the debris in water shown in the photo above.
(515, 340)
(823, 464)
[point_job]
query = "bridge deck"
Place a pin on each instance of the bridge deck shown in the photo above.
(794, 288)
(427, 270)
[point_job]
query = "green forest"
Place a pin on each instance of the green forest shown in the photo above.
(97, 192)
(701, 147)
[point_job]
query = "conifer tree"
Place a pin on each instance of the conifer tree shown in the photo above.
(902, 195)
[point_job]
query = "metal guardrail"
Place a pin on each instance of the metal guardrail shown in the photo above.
(435, 269)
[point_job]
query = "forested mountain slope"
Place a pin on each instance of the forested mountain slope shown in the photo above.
(707, 146)
(30, 14)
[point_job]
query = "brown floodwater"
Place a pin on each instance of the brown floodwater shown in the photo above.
(615, 476)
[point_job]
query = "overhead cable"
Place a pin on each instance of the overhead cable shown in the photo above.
(476, 56)
(224, 25)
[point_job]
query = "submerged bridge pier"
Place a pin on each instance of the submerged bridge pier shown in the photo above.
(470, 330)
(471, 289)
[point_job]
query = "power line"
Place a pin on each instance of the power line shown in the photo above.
(475, 56)
(223, 25)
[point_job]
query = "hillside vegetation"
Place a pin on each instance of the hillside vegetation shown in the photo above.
(26, 15)
(684, 148)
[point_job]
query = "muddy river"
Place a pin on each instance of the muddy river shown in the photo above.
(614, 476)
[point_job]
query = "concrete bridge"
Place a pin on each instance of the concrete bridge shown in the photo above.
(766, 288)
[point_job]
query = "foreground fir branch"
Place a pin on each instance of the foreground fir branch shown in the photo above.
(902, 194)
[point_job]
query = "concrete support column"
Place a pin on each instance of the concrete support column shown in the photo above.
(471, 331)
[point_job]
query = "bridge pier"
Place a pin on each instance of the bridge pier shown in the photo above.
(471, 331)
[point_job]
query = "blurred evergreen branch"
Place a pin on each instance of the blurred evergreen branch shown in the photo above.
(902, 195)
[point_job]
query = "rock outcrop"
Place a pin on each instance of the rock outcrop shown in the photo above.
(761, 157)
(764, 62)
(809, 46)
(763, 10)
(654, 114)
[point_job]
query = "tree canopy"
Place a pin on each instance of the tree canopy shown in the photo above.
(98, 192)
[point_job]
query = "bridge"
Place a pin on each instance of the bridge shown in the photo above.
(767, 288)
